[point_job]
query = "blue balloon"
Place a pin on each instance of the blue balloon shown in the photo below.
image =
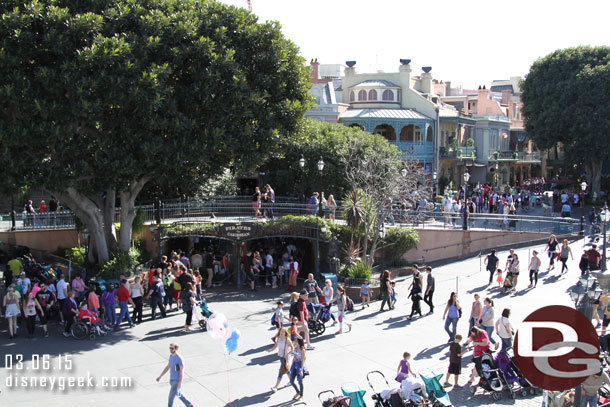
(232, 341)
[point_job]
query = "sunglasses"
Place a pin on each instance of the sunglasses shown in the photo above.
(172, 348)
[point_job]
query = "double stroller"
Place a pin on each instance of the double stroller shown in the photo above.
(416, 397)
(501, 373)
(319, 314)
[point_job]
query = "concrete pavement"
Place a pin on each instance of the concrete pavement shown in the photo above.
(244, 378)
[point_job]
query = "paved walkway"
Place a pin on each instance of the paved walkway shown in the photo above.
(213, 379)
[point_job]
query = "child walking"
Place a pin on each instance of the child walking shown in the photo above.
(404, 368)
(455, 362)
(393, 295)
(499, 277)
(365, 293)
(277, 319)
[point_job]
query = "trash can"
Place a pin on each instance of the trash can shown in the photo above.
(333, 280)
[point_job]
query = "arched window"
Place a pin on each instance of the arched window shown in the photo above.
(388, 95)
(429, 134)
(386, 131)
(372, 94)
(351, 96)
(362, 95)
(406, 134)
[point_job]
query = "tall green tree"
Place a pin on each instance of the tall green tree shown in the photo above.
(565, 99)
(98, 97)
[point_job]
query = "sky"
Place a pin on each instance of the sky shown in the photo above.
(469, 43)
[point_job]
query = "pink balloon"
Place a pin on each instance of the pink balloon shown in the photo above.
(218, 326)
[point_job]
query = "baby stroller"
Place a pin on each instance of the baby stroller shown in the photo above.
(508, 282)
(393, 399)
(318, 315)
(205, 314)
(334, 400)
(355, 393)
(507, 374)
(522, 380)
(490, 380)
(436, 393)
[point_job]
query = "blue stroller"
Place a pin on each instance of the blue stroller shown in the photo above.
(436, 393)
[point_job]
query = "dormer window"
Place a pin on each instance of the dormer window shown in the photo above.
(388, 95)
(351, 96)
(372, 94)
(362, 96)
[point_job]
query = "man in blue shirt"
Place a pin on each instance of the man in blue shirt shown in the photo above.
(176, 373)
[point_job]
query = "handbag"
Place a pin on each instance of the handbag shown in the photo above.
(459, 313)
(284, 368)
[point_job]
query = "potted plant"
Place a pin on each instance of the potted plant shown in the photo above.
(470, 142)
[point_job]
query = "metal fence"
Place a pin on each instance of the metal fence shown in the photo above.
(208, 210)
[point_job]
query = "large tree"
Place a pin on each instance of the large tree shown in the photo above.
(565, 99)
(98, 97)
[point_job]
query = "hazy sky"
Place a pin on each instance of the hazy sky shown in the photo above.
(467, 42)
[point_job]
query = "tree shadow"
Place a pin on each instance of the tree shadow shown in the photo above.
(427, 353)
(478, 289)
(177, 331)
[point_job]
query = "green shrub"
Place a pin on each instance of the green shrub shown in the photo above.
(470, 142)
(122, 263)
(360, 270)
(398, 241)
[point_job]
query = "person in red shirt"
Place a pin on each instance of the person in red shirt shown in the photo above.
(593, 256)
(87, 315)
(303, 317)
(122, 294)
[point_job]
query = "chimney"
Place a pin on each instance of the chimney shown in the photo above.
(506, 96)
(315, 73)
(405, 73)
(350, 70)
(426, 80)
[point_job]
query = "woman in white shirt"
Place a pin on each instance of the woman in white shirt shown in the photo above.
(505, 330)
(135, 290)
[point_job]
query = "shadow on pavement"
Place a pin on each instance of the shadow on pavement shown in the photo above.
(263, 360)
(477, 289)
(256, 350)
(428, 352)
(258, 399)
(167, 333)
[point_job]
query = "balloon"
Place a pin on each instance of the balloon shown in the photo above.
(232, 340)
(218, 326)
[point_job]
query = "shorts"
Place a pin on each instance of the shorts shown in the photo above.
(606, 321)
(455, 368)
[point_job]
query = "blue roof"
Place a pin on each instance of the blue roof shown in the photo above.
(383, 113)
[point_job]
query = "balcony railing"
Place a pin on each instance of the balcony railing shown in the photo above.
(463, 153)
(416, 149)
(515, 156)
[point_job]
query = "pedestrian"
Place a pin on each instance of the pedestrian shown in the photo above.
(278, 317)
(256, 202)
(188, 304)
(109, 304)
(331, 207)
(514, 270)
(499, 277)
(70, 310)
(415, 296)
(62, 293)
(284, 347)
(428, 295)
(328, 297)
(297, 368)
(551, 249)
(487, 319)
(303, 316)
(168, 288)
(392, 294)
(156, 294)
(404, 368)
(564, 253)
(384, 289)
(79, 287)
(534, 267)
(475, 312)
(175, 366)
(480, 341)
(504, 330)
(594, 257)
(124, 299)
(491, 263)
(312, 288)
(293, 268)
(342, 305)
(30, 305)
(136, 292)
(451, 315)
(46, 300)
(583, 265)
(455, 362)
(590, 388)
(365, 293)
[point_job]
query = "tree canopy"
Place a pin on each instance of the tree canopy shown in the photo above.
(565, 99)
(100, 97)
(313, 140)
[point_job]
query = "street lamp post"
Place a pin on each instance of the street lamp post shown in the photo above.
(466, 178)
(605, 217)
(321, 229)
(321, 165)
(433, 185)
(586, 292)
(583, 188)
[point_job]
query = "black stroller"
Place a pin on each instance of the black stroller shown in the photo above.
(490, 377)
(395, 399)
(334, 400)
(318, 316)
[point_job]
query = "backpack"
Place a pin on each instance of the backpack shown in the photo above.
(294, 311)
(349, 303)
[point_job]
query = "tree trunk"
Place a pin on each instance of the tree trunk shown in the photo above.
(109, 206)
(128, 212)
(594, 171)
(89, 213)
